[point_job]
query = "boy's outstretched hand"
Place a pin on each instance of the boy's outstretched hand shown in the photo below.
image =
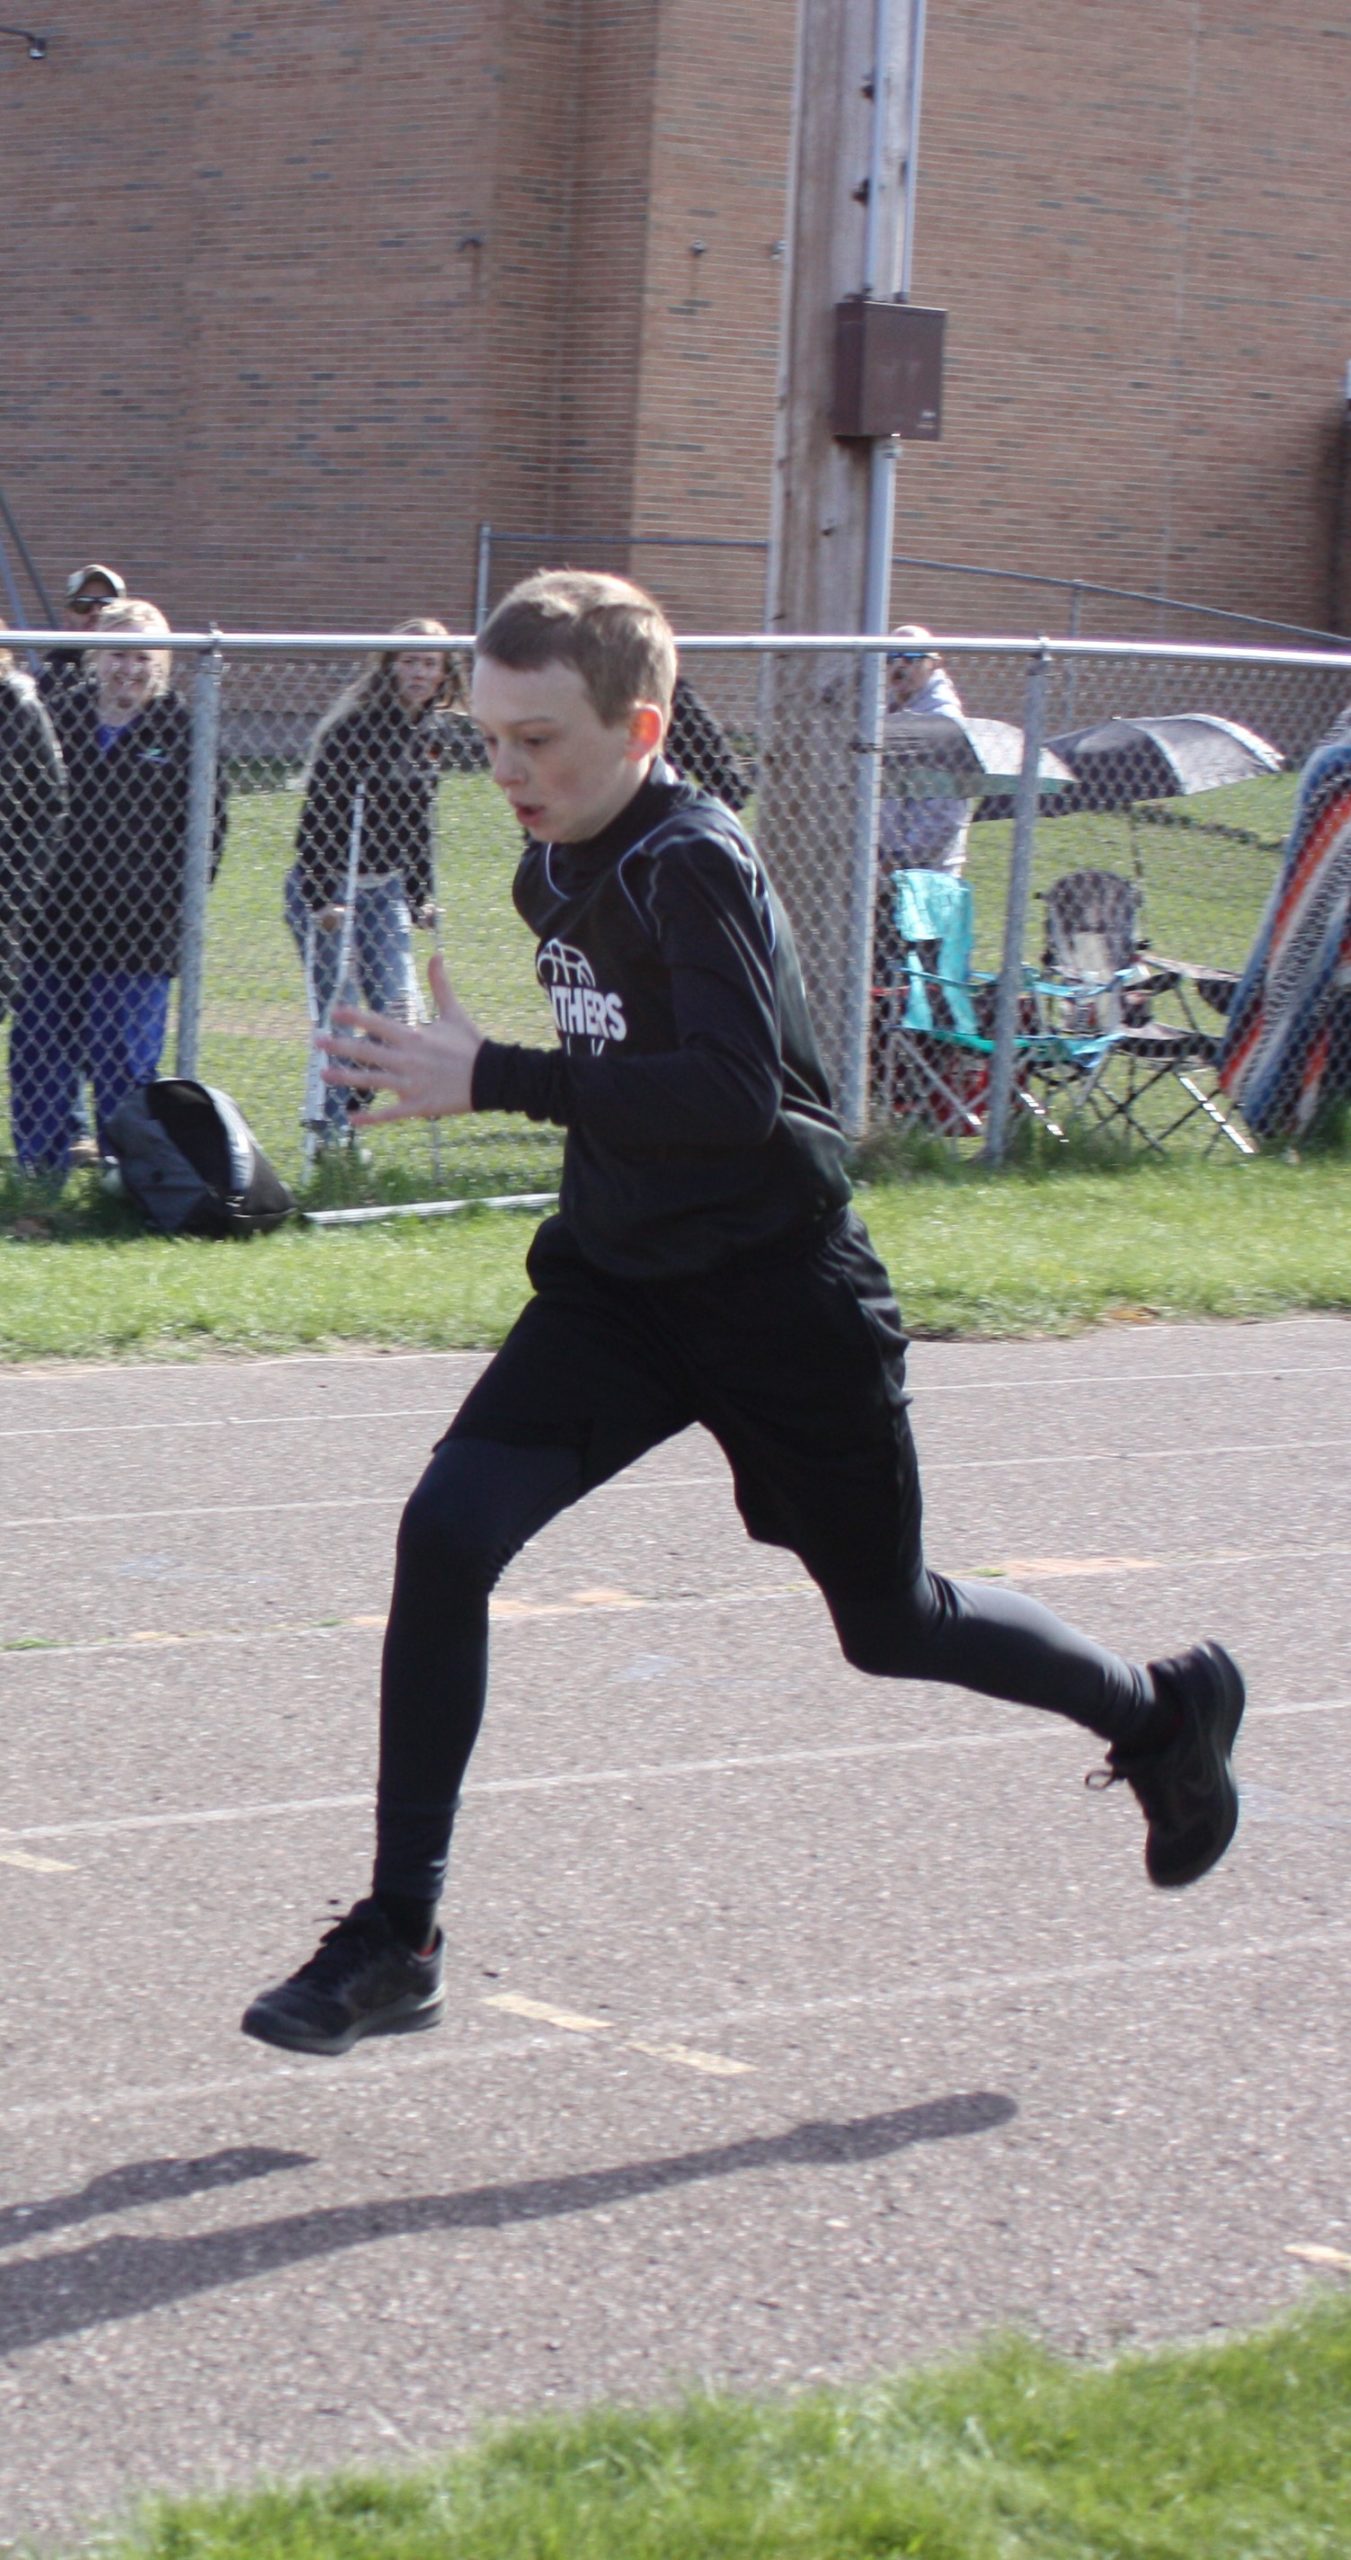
(427, 1066)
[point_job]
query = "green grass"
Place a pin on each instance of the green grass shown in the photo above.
(1239, 2451)
(1040, 1250)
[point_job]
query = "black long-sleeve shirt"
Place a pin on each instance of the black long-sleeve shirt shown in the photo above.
(698, 1118)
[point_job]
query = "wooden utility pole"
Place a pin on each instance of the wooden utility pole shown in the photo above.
(830, 536)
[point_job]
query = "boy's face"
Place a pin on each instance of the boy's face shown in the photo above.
(565, 772)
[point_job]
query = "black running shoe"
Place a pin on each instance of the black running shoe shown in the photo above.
(361, 1981)
(1186, 1790)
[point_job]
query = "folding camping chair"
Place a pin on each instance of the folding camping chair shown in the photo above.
(929, 1037)
(1099, 975)
(938, 1022)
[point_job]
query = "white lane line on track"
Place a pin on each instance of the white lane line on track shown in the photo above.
(1060, 1459)
(550, 1782)
(221, 1422)
(201, 1511)
(671, 1483)
(75, 1375)
(506, 1610)
(333, 1502)
(404, 2056)
(1089, 1969)
(124, 2098)
(1130, 1456)
(1103, 1383)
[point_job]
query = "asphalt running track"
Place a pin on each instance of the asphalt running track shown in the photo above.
(799, 2025)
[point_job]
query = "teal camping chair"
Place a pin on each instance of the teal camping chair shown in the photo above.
(931, 911)
(939, 1019)
(933, 1056)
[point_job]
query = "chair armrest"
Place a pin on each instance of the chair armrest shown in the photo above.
(1215, 987)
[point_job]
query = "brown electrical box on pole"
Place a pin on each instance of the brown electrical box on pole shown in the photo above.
(888, 370)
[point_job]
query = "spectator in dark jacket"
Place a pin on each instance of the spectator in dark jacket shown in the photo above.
(32, 805)
(389, 736)
(105, 941)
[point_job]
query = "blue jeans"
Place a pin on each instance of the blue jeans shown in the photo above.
(380, 975)
(108, 1024)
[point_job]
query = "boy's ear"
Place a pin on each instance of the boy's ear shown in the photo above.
(647, 727)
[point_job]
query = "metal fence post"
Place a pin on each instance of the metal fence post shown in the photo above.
(483, 575)
(858, 953)
(197, 869)
(1015, 913)
(1070, 670)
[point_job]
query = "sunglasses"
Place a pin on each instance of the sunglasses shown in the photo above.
(89, 604)
(906, 657)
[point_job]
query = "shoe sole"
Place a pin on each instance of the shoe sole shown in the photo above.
(408, 2018)
(1224, 1730)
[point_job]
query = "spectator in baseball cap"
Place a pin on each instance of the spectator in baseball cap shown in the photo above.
(917, 834)
(88, 591)
(93, 585)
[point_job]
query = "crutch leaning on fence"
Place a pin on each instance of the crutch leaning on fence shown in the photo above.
(328, 977)
(363, 878)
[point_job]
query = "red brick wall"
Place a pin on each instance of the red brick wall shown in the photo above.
(711, 316)
(1138, 220)
(254, 356)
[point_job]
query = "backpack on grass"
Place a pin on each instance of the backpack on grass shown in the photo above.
(189, 1159)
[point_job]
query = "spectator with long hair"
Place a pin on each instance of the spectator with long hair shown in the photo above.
(32, 806)
(389, 737)
(105, 941)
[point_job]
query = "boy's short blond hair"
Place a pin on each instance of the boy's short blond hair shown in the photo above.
(613, 633)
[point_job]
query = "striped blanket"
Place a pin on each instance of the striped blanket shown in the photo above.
(1287, 1043)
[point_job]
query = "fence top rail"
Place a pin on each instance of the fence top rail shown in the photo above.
(1024, 645)
(1122, 595)
(759, 643)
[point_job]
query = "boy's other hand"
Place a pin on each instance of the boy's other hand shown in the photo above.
(427, 1066)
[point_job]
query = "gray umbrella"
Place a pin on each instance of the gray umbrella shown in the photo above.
(1117, 761)
(932, 755)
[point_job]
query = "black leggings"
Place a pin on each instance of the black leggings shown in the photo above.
(478, 1503)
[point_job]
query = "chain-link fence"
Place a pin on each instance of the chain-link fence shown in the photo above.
(1031, 882)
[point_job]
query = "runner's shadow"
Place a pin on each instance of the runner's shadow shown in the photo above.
(118, 2278)
(144, 2182)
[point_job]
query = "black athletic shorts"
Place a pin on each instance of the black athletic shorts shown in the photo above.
(792, 1357)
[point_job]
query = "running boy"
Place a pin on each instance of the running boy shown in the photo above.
(705, 1266)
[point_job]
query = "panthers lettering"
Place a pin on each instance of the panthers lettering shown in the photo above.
(581, 1009)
